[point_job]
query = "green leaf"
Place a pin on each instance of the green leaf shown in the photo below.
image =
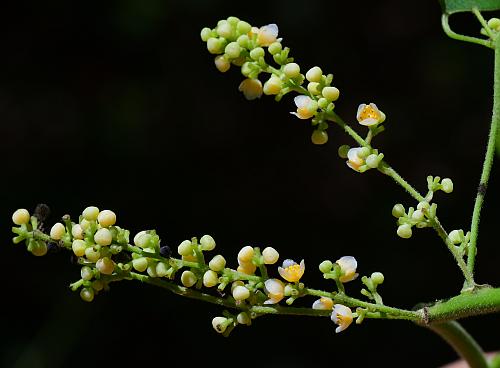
(455, 6)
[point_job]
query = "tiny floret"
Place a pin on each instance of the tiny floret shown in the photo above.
(314, 74)
(291, 271)
(266, 35)
(353, 160)
(348, 267)
(217, 263)
(57, 231)
(275, 290)
(241, 293)
(331, 93)
(323, 303)
(246, 254)
(369, 115)
(90, 213)
(270, 255)
(103, 237)
(251, 88)
(273, 86)
(222, 64)
(219, 324)
(207, 243)
(106, 218)
(21, 216)
(447, 185)
(291, 70)
(306, 107)
(342, 316)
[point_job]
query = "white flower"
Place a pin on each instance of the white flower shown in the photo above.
(353, 159)
(266, 35)
(251, 88)
(369, 115)
(348, 267)
(306, 107)
(342, 316)
(275, 290)
(323, 303)
(291, 271)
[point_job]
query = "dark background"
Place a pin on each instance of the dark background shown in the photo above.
(118, 104)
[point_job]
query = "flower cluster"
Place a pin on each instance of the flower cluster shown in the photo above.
(425, 212)
(236, 42)
(103, 251)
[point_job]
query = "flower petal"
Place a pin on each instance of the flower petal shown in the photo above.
(302, 101)
(369, 121)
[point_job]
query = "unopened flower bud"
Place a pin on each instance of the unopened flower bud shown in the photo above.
(257, 53)
(90, 213)
(292, 70)
(331, 93)
(423, 206)
(243, 27)
(105, 266)
(207, 243)
(246, 254)
(417, 215)
(398, 210)
(210, 278)
(140, 264)
(270, 255)
(372, 161)
(319, 137)
(77, 231)
(185, 248)
(106, 218)
(215, 45)
(326, 266)
(312, 88)
(21, 216)
(57, 231)
(274, 48)
(244, 319)
(455, 237)
(241, 293)
(219, 324)
(447, 185)
(494, 23)
(343, 150)
(232, 50)
(79, 247)
(217, 263)
(314, 74)
(272, 86)
(103, 237)
(87, 294)
(224, 29)
(377, 278)
(404, 231)
(205, 34)
(188, 278)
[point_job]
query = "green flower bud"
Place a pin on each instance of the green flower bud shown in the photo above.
(257, 53)
(217, 263)
(326, 266)
(77, 231)
(417, 215)
(86, 273)
(232, 50)
(246, 69)
(343, 150)
(274, 48)
(270, 255)
(105, 266)
(205, 34)
(87, 294)
(97, 285)
(21, 216)
(222, 64)
(398, 210)
(140, 264)
(37, 248)
(57, 231)
(455, 237)
(291, 70)
(162, 269)
(207, 243)
(90, 213)
(331, 93)
(272, 86)
(215, 45)
(319, 137)
(92, 254)
(314, 74)
(241, 293)
(323, 103)
(363, 152)
(494, 23)
(243, 41)
(106, 218)
(377, 278)
(219, 324)
(447, 185)
(244, 319)
(103, 237)
(404, 231)
(224, 29)
(243, 27)
(210, 278)
(188, 278)
(233, 21)
(185, 248)
(79, 247)
(372, 161)
(312, 87)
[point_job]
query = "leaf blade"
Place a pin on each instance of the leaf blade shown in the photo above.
(455, 6)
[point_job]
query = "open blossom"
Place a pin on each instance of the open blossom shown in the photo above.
(353, 159)
(369, 115)
(323, 303)
(266, 35)
(275, 290)
(306, 107)
(342, 316)
(251, 88)
(291, 271)
(348, 267)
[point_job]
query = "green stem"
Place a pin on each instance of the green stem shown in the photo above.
(488, 161)
(483, 22)
(460, 37)
(463, 343)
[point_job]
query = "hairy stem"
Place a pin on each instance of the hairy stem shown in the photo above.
(488, 162)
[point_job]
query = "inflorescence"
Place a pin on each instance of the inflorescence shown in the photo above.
(105, 254)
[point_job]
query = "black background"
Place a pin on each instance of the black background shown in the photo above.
(118, 104)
